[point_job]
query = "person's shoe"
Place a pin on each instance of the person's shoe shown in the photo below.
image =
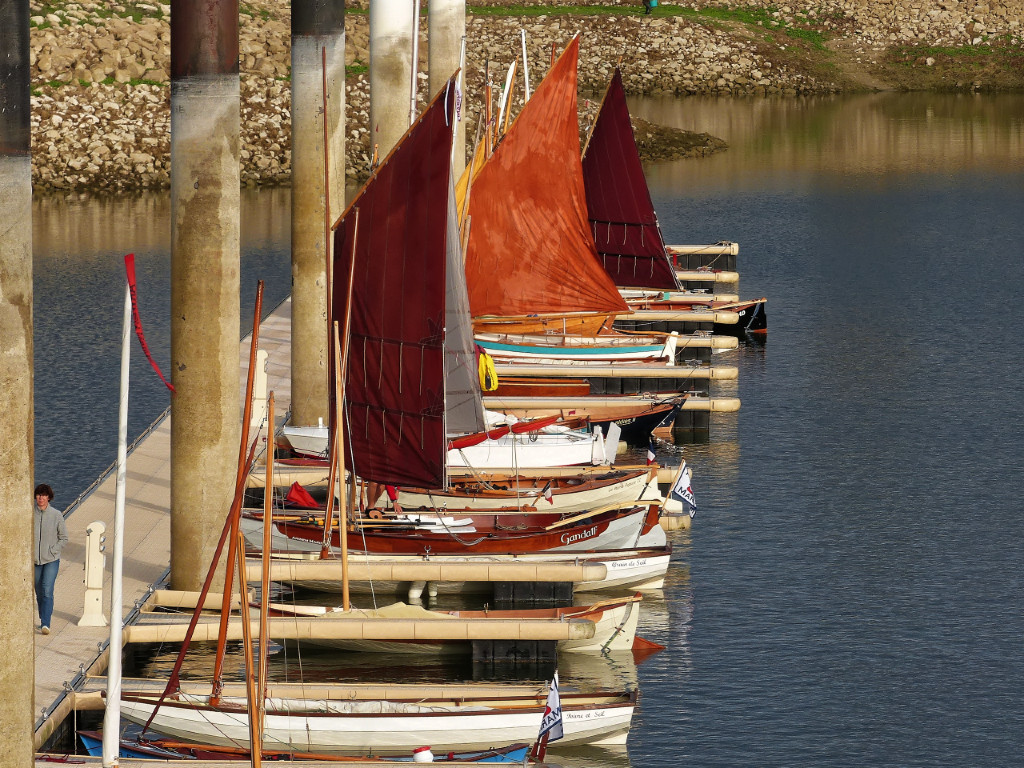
(44, 629)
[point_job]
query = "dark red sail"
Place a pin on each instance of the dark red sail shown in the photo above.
(394, 392)
(622, 216)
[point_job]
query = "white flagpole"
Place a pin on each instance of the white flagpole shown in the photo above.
(526, 69)
(415, 60)
(112, 713)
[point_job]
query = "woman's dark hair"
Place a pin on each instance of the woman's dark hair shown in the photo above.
(44, 489)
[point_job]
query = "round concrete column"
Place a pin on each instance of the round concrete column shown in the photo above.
(205, 327)
(17, 673)
(317, 27)
(447, 20)
(391, 23)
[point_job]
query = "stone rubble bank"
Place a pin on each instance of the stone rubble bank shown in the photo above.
(100, 105)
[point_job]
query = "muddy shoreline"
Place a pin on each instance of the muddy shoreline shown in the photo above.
(100, 104)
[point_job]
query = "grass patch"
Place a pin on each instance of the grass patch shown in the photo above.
(759, 17)
(253, 12)
(143, 81)
(567, 10)
(356, 69)
(753, 17)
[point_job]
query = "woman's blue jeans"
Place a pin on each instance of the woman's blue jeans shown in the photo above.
(46, 577)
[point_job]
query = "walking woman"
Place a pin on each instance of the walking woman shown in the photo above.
(51, 534)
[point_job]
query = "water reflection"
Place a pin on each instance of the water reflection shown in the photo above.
(85, 225)
(79, 242)
(881, 133)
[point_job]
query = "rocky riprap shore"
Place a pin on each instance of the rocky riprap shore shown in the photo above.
(100, 104)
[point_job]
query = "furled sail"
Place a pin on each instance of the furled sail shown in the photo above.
(622, 217)
(530, 246)
(394, 389)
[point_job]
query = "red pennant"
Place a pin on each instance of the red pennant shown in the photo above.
(129, 265)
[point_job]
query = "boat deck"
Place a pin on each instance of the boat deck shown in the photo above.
(71, 651)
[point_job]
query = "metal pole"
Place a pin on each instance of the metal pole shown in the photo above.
(112, 713)
(415, 60)
(526, 69)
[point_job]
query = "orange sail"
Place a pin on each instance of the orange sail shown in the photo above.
(531, 250)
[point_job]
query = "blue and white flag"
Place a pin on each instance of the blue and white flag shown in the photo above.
(681, 490)
(650, 452)
(551, 723)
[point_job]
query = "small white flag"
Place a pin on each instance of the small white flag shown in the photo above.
(551, 723)
(650, 453)
(681, 490)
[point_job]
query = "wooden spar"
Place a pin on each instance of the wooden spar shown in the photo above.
(251, 696)
(245, 463)
(236, 506)
(264, 637)
(332, 483)
(338, 462)
(339, 459)
(343, 511)
(173, 680)
(327, 193)
(336, 443)
(583, 516)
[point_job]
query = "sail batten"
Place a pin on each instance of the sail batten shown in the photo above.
(530, 247)
(621, 212)
(394, 386)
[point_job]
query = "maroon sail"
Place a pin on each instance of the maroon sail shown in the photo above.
(394, 390)
(622, 216)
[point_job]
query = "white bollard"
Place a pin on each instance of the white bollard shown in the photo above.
(95, 544)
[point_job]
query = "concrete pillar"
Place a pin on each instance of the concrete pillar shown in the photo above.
(391, 23)
(316, 26)
(205, 328)
(17, 678)
(447, 24)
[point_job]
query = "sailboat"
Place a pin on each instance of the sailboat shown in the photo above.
(629, 240)
(537, 288)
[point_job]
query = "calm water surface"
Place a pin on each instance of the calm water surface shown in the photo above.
(850, 594)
